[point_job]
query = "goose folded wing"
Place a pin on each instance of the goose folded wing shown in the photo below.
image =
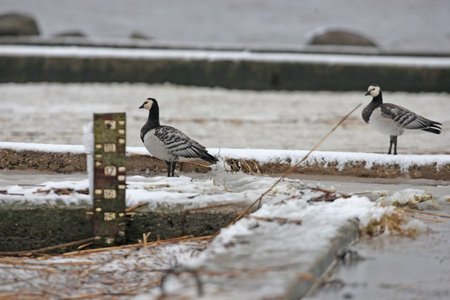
(178, 143)
(404, 117)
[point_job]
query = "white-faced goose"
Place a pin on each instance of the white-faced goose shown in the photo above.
(392, 119)
(168, 143)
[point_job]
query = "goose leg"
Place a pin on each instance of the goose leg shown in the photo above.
(169, 168)
(390, 145)
(395, 145)
(172, 168)
(393, 142)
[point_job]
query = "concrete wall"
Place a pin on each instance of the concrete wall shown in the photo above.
(237, 74)
(27, 226)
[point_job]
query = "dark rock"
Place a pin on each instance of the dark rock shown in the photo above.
(340, 38)
(71, 33)
(139, 35)
(16, 24)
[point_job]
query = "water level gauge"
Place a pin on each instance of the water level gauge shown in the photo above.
(109, 178)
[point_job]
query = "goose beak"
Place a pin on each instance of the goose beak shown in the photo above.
(367, 93)
(142, 106)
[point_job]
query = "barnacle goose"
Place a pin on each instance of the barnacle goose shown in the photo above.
(392, 119)
(168, 143)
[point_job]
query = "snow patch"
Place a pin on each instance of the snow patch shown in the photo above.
(411, 198)
(158, 191)
(38, 147)
(316, 223)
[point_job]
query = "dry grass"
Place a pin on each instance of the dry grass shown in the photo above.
(392, 223)
(106, 273)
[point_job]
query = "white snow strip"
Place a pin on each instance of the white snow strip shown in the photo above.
(55, 148)
(325, 157)
(214, 55)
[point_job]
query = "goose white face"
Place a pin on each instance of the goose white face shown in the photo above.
(147, 104)
(373, 90)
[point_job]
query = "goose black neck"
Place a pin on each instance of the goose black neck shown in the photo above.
(153, 117)
(367, 111)
(378, 100)
(152, 121)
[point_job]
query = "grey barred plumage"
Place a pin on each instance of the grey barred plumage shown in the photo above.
(168, 143)
(392, 119)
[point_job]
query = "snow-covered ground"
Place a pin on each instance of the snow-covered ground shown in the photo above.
(105, 275)
(216, 117)
(218, 188)
(136, 270)
(220, 119)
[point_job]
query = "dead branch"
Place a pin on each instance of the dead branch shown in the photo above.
(45, 249)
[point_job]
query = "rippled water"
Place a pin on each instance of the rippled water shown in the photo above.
(407, 25)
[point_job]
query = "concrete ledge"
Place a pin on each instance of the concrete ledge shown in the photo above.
(229, 69)
(265, 268)
(436, 167)
(357, 169)
(67, 162)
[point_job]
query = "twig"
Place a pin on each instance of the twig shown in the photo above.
(178, 271)
(149, 244)
(279, 220)
(291, 169)
(326, 191)
(45, 249)
(195, 164)
(145, 238)
(134, 207)
(426, 213)
(423, 217)
(208, 207)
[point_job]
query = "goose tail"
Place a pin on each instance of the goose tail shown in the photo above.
(434, 127)
(209, 158)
